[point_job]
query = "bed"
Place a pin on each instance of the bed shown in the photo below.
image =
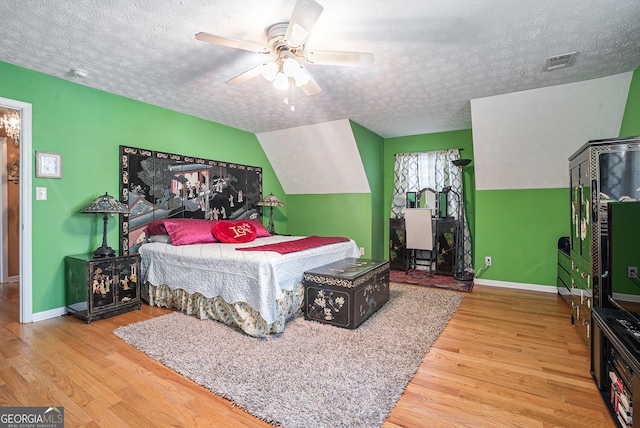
(256, 291)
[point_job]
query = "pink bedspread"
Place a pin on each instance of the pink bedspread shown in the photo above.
(297, 245)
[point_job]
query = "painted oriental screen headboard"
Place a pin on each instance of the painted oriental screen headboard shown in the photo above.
(159, 185)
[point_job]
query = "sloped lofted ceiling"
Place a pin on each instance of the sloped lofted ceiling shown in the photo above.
(315, 159)
(431, 56)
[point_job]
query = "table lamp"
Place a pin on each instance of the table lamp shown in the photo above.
(105, 205)
(271, 201)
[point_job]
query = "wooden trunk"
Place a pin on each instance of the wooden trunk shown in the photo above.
(347, 292)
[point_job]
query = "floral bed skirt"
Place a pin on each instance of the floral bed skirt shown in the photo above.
(237, 314)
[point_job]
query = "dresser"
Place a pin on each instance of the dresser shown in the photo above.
(102, 287)
(397, 244)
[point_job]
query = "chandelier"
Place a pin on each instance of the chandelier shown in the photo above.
(10, 121)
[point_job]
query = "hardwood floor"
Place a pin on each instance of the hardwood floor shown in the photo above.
(508, 358)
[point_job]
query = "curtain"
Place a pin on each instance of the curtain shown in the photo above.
(426, 177)
(447, 174)
(426, 167)
(416, 171)
(405, 179)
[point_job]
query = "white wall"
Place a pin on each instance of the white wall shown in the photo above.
(523, 140)
(316, 159)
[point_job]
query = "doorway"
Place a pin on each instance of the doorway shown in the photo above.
(10, 141)
(20, 175)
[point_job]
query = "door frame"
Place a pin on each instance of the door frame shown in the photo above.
(4, 277)
(26, 168)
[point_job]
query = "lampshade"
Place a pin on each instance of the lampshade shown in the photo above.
(461, 162)
(290, 67)
(281, 81)
(270, 201)
(270, 71)
(105, 204)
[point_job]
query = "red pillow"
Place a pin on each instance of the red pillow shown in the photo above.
(261, 231)
(156, 227)
(234, 231)
(185, 231)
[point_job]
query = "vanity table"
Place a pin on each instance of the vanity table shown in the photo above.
(444, 228)
(445, 245)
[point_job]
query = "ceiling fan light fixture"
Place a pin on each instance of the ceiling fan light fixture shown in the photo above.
(281, 81)
(270, 71)
(290, 67)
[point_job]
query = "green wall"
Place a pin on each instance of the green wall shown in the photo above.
(87, 127)
(371, 147)
(423, 143)
(346, 214)
(631, 120)
(519, 229)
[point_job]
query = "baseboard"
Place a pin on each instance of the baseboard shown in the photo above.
(51, 313)
(628, 297)
(516, 285)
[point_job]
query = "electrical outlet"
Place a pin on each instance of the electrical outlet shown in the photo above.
(362, 251)
(487, 260)
(41, 193)
(632, 271)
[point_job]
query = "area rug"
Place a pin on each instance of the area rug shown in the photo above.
(420, 277)
(312, 374)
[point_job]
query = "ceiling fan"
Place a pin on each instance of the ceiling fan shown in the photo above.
(286, 46)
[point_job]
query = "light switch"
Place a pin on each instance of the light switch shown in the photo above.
(41, 193)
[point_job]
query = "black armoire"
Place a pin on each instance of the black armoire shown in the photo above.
(604, 248)
(602, 171)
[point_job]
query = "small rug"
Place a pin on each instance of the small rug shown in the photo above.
(420, 277)
(312, 374)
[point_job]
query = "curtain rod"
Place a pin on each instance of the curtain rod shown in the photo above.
(429, 151)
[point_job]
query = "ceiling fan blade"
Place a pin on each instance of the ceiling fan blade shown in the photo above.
(311, 87)
(243, 77)
(339, 58)
(232, 43)
(304, 17)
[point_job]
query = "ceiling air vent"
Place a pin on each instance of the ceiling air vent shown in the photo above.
(559, 61)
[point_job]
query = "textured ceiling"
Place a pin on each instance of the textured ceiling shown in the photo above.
(432, 56)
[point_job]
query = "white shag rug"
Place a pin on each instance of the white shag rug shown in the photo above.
(312, 375)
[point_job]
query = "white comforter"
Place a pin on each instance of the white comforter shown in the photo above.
(254, 277)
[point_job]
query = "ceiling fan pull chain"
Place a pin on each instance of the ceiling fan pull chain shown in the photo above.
(293, 107)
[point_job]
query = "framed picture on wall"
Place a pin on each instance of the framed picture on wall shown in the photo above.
(48, 165)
